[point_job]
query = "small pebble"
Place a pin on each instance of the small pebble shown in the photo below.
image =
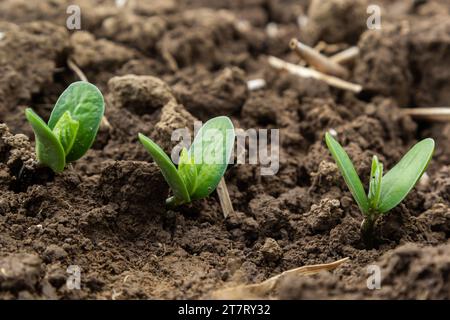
(121, 3)
(302, 21)
(54, 252)
(243, 25)
(346, 202)
(256, 84)
(271, 250)
(272, 29)
(333, 132)
(424, 180)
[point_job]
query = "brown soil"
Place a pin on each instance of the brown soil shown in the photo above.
(163, 64)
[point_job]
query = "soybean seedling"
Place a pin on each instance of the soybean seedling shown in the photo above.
(72, 126)
(385, 192)
(201, 167)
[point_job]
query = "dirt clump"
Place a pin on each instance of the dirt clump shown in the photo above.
(25, 71)
(205, 97)
(20, 272)
(335, 21)
(420, 51)
(139, 94)
(142, 33)
(126, 183)
(89, 52)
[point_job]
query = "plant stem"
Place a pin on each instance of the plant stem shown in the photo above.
(173, 202)
(74, 67)
(367, 228)
(224, 198)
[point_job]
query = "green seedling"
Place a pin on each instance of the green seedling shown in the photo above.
(385, 192)
(201, 167)
(72, 126)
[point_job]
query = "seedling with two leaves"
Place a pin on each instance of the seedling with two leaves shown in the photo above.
(201, 167)
(72, 126)
(385, 192)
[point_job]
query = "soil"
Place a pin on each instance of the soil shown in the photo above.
(163, 64)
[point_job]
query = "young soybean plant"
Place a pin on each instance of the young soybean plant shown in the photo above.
(201, 167)
(385, 192)
(72, 126)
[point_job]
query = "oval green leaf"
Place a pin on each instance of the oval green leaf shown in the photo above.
(85, 103)
(187, 170)
(66, 131)
(348, 171)
(49, 151)
(376, 175)
(168, 169)
(211, 151)
(400, 180)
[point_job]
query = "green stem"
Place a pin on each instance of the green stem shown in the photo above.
(367, 228)
(173, 202)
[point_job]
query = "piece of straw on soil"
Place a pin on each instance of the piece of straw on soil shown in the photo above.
(268, 287)
(311, 73)
(224, 198)
(429, 114)
(80, 74)
(74, 67)
(322, 47)
(317, 60)
(346, 56)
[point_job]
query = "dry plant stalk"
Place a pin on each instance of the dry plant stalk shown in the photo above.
(346, 56)
(267, 287)
(322, 46)
(429, 114)
(80, 74)
(311, 73)
(224, 198)
(74, 67)
(318, 60)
